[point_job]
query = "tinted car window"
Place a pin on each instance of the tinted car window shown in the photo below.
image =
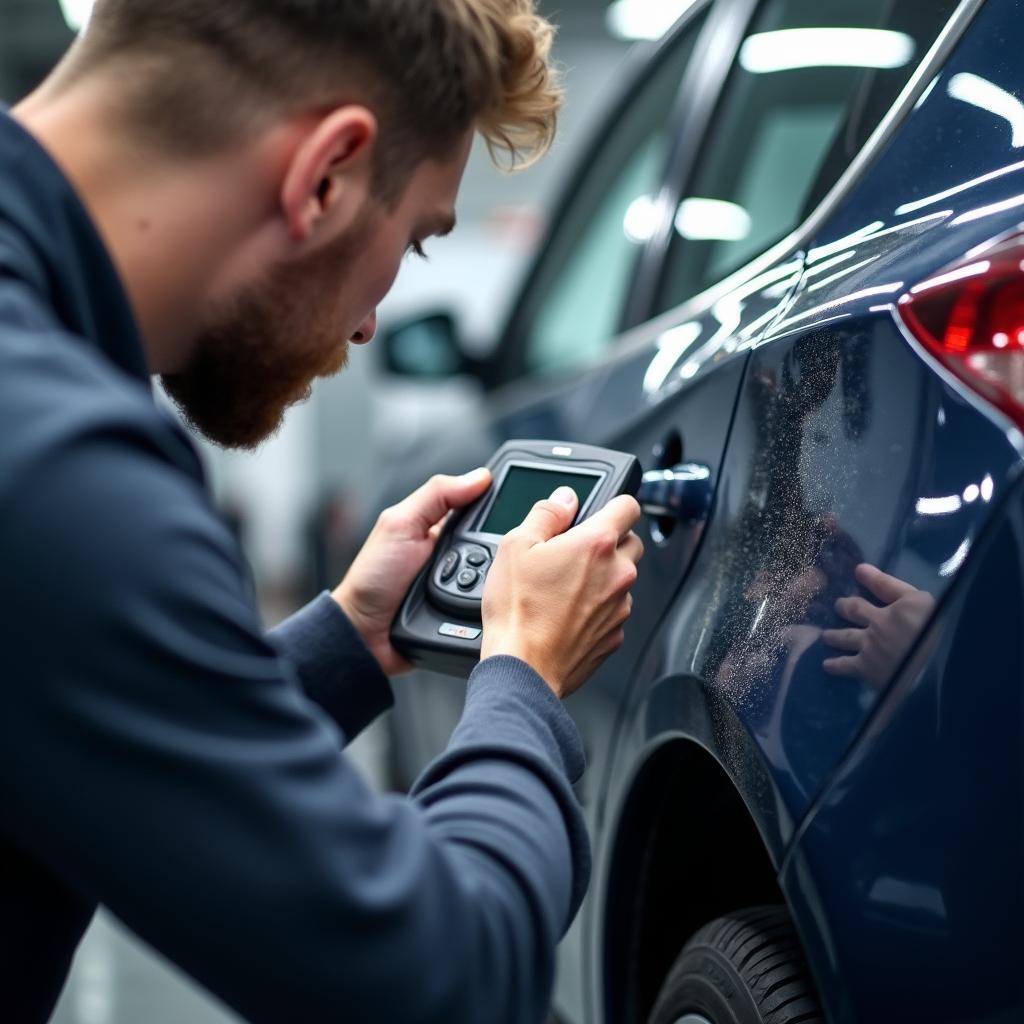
(811, 82)
(583, 282)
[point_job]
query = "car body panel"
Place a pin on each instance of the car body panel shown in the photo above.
(913, 854)
(846, 440)
(833, 439)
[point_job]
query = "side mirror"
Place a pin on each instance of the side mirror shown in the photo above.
(424, 348)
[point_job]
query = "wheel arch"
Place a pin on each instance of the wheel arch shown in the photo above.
(685, 850)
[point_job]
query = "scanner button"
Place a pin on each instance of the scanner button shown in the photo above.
(460, 632)
(467, 579)
(449, 565)
(476, 558)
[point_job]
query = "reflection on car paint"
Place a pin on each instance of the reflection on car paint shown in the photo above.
(986, 95)
(735, 329)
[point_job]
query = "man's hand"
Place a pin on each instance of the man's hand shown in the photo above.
(559, 600)
(879, 638)
(399, 546)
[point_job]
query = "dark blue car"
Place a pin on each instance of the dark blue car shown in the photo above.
(789, 277)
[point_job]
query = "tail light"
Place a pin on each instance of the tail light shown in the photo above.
(971, 317)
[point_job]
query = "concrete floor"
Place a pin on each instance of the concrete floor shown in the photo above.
(115, 980)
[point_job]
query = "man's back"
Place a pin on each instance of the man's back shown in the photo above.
(159, 755)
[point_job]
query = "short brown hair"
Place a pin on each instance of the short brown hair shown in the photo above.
(201, 75)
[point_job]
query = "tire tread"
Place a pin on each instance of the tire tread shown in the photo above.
(763, 948)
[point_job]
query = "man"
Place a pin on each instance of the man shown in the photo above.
(220, 194)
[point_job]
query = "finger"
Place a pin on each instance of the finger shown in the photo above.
(609, 643)
(844, 639)
(621, 514)
(849, 668)
(617, 614)
(632, 547)
(885, 587)
(426, 507)
(856, 610)
(548, 518)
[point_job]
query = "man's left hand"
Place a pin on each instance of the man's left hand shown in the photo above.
(400, 545)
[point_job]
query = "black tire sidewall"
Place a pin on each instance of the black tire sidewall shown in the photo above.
(705, 982)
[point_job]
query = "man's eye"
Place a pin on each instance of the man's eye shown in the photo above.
(416, 248)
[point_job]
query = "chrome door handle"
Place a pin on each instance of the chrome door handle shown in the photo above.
(682, 492)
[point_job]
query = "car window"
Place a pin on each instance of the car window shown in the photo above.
(581, 288)
(811, 82)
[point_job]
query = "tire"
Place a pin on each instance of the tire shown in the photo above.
(744, 968)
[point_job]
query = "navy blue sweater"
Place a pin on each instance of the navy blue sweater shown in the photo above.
(161, 756)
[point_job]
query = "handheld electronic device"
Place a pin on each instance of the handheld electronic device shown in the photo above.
(439, 624)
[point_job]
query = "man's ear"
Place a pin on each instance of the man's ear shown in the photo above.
(329, 174)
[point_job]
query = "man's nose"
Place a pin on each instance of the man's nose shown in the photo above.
(367, 330)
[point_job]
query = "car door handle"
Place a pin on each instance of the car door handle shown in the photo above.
(682, 492)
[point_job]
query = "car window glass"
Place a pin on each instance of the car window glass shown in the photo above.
(811, 82)
(582, 286)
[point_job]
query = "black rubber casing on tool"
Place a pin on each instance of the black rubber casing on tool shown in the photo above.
(438, 626)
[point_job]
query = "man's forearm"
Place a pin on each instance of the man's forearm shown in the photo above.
(336, 669)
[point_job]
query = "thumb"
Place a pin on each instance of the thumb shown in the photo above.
(549, 518)
(428, 506)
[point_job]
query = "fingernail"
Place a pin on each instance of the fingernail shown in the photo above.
(474, 476)
(564, 496)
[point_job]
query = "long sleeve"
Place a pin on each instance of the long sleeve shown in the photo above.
(334, 666)
(158, 755)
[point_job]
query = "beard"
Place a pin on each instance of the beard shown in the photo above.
(260, 352)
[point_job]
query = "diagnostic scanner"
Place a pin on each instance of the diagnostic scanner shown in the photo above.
(439, 624)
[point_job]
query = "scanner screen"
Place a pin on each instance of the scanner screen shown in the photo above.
(524, 486)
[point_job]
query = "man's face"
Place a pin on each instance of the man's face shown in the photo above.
(260, 350)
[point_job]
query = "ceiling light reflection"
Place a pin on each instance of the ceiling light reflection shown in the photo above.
(672, 345)
(986, 95)
(644, 19)
(714, 220)
(939, 506)
(949, 567)
(974, 270)
(988, 211)
(76, 13)
(641, 220)
(793, 48)
(918, 204)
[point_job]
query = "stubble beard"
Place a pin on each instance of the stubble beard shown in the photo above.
(261, 352)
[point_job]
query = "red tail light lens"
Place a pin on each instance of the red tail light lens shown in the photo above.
(971, 317)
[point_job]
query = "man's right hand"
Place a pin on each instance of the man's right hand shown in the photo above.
(559, 600)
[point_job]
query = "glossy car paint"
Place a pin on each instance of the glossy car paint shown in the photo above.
(845, 436)
(888, 809)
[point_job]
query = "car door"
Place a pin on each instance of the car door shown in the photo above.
(559, 340)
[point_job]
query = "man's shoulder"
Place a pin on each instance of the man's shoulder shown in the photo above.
(58, 393)
(97, 483)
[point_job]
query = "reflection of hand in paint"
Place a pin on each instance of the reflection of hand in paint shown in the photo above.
(880, 637)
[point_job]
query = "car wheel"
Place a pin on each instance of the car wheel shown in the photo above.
(744, 968)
